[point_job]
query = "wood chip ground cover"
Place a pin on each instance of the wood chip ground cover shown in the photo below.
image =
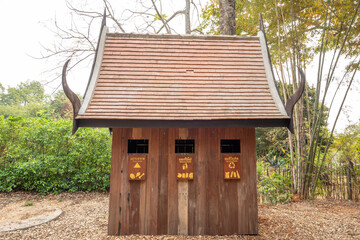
(85, 217)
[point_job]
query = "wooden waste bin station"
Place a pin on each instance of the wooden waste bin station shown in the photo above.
(183, 111)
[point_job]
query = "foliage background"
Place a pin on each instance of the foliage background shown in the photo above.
(41, 155)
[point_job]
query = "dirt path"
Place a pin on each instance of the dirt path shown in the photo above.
(85, 217)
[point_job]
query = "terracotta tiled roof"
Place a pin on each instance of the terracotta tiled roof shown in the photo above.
(172, 77)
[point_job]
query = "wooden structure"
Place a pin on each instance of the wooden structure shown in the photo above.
(183, 112)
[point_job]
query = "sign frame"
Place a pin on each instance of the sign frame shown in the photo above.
(231, 163)
(185, 167)
(137, 167)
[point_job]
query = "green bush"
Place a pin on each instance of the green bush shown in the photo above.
(274, 188)
(41, 155)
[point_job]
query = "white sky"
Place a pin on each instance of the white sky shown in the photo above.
(24, 27)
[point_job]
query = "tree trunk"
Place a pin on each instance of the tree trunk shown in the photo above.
(349, 171)
(187, 17)
(227, 17)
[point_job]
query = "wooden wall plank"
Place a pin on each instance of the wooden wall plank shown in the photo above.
(243, 187)
(115, 185)
(192, 134)
(142, 207)
(134, 217)
(200, 179)
(134, 213)
(221, 187)
(214, 176)
(125, 186)
(137, 133)
(163, 181)
(183, 192)
(172, 185)
(153, 189)
(146, 134)
(231, 193)
(252, 193)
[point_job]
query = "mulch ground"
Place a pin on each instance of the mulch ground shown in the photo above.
(85, 217)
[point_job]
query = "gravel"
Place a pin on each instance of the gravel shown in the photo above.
(85, 217)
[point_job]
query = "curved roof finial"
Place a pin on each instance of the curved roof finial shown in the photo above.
(74, 99)
(262, 24)
(289, 107)
(103, 22)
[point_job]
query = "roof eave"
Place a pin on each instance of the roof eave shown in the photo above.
(94, 75)
(219, 123)
(270, 74)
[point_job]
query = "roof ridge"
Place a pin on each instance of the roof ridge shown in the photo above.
(183, 36)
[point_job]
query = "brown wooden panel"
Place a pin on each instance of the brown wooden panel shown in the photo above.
(163, 182)
(134, 216)
(223, 215)
(201, 184)
(172, 185)
(136, 133)
(146, 134)
(192, 134)
(160, 205)
(125, 186)
(153, 180)
(142, 207)
(114, 224)
(183, 203)
(252, 192)
(183, 190)
(243, 185)
(213, 182)
(231, 192)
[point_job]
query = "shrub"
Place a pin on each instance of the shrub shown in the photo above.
(274, 188)
(41, 155)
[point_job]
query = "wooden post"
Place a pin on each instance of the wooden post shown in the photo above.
(183, 193)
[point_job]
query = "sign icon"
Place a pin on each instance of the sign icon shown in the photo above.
(231, 165)
(137, 167)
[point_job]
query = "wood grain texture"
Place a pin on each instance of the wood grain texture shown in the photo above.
(134, 214)
(183, 201)
(192, 134)
(162, 222)
(135, 193)
(213, 155)
(172, 185)
(223, 214)
(183, 192)
(252, 201)
(208, 205)
(114, 225)
(201, 184)
(125, 186)
(231, 221)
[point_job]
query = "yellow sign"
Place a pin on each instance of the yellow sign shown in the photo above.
(137, 167)
(184, 167)
(231, 166)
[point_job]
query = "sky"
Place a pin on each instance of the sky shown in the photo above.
(25, 30)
